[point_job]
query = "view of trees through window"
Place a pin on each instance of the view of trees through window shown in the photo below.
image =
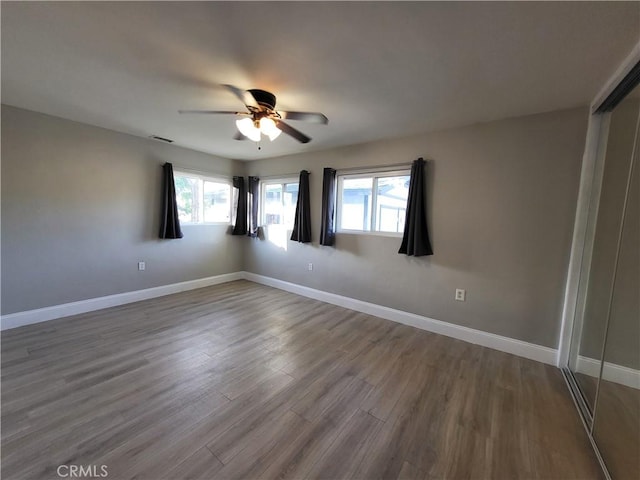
(373, 202)
(202, 200)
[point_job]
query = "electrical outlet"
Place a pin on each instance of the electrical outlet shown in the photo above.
(310, 266)
(142, 266)
(461, 294)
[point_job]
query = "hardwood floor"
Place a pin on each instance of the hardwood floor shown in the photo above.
(245, 381)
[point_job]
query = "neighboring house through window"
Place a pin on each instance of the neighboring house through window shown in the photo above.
(372, 201)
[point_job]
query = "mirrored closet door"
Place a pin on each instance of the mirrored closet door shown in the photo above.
(604, 361)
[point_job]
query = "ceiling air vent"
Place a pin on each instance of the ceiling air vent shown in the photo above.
(162, 139)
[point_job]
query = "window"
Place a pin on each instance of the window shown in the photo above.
(279, 198)
(373, 201)
(202, 199)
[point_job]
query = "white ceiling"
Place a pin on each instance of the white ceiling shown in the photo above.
(377, 70)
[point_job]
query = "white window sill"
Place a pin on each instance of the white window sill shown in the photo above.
(371, 234)
(203, 224)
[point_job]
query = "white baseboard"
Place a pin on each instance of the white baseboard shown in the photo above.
(478, 337)
(610, 371)
(19, 319)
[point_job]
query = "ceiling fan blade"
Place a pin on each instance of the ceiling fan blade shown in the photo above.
(239, 136)
(289, 130)
(243, 95)
(313, 117)
(212, 112)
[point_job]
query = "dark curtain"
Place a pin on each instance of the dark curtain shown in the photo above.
(169, 222)
(302, 225)
(327, 229)
(254, 193)
(240, 228)
(415, 240)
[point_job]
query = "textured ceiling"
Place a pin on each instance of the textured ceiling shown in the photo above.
(377, 70)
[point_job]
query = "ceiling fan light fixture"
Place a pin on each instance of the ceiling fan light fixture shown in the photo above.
(261, 118)
(268, 127)
(248, 129)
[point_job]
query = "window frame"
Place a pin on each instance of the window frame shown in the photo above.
(282, 181)
(204, 177)
(374, 174)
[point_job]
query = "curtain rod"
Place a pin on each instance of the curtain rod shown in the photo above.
(394, 166)
(279, 176)
(379, 168)
(202, 172)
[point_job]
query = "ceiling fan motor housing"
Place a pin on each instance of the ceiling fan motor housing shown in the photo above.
(264, 98)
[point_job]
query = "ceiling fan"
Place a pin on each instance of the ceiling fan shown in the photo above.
(261, 118)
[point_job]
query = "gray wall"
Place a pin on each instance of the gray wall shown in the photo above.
(80, 208)
(502, 200)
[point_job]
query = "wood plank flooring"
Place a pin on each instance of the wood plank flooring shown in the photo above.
(242, 381)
